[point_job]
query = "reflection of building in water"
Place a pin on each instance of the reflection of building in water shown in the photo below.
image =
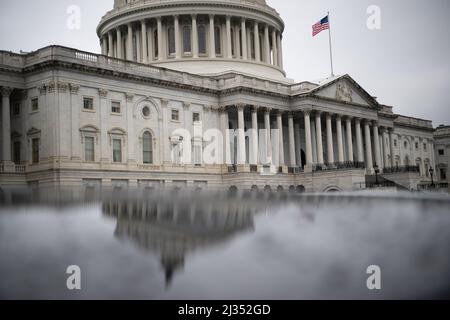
(174, 229)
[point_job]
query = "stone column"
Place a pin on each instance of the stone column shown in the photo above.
(241, 156)
(268, 133)
(160, 40)
(144, 42)
(110, 44)
(151, 49)
(359, 143)
(292, 158)
(309, 155)
(281, 137)
(104, 46)
(229, 41)
(104, 126)
(319, 138)
(194, 36)
(339, 139)
(237, 42)
(138, 46)
(212, 41)
(266, 45)
(369, 161)
(6, 124)
(227, 142)
(257, 44)
(176, 30)
(385, 147)
(119, 44)
(330, 150)
(244, 39)
(376, 141)
(280, 51)
(255, 137)
(75, 122)
(348, 122)
(274, 47)
(130, 54)
(391, 147)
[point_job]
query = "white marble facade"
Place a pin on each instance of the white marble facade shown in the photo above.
(74, 118)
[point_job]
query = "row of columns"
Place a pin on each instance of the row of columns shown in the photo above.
(6, 124)
(271, 43)
(371, 135)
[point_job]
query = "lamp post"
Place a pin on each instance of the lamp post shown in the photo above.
(431, 174)
(377, 171)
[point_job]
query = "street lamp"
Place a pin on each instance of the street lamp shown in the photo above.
(377, 171)
(431, 174)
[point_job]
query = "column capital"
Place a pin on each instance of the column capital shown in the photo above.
(267, 110)
(375, 123)
(194, 16)
(339, 116)
(186, 105)
(357, 120)
(348, 118)
(291, 114)
(280, 112)
(241, 106)
(211, 16)
(103, 93)
(255, 108)
(143, 21)
(318, 113)
(176, 16)
(307, 112)
(129, 97)
(6, 91)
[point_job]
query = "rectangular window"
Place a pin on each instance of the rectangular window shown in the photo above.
(417, 146)
(115, 106)
(35, 150)
(197, 155)
(196, 117)
(88, 103)
(443, 174)
(425, 146)
(34, 104)
(175, 115)
(16, 109)
(441, 152)
(117, 150)
(16, 152)
(89, 155)
(395, 142)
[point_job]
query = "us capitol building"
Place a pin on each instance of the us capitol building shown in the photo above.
(113, 120)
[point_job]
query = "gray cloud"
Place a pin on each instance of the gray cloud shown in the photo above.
(405, 64)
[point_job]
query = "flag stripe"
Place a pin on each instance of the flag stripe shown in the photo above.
(321, 26)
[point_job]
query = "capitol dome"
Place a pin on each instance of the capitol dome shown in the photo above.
(207, 37)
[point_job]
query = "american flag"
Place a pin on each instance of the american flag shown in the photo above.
(323, 24)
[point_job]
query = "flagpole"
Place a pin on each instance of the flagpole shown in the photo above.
(331, 50)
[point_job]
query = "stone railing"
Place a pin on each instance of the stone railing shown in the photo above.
(88, 59)
(402, 169)
(413, 122)
(339, 166)
(432, 186)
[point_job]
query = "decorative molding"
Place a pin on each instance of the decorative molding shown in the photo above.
(129, 97)
(42, 89)
(74, 88)
(62, 86)
(164, 102)
(186, 105)
(6, 91)
(51, 87)
(103, 93)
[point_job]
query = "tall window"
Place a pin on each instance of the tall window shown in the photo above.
(201, 39)
(16, 152)
(89, 155)
(252, 45)
(218, 39)
(35, 150)
(171, 36)
(233, 45)
(155, 43)
(117, 150)
(187, 43)
(115, 106)
(147, 148)
(197, 151)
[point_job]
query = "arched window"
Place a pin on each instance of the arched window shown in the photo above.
(187, 44)
(147, 147)
(218, 39)
(171, 36)
(201, 39)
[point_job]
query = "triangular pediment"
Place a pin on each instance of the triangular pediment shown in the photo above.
(345, 89)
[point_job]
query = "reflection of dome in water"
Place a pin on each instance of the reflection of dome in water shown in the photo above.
(197, 36)
(173, 231)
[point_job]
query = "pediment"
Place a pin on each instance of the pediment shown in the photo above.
(345, 89)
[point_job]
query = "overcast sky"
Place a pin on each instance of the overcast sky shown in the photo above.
(405, 63)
